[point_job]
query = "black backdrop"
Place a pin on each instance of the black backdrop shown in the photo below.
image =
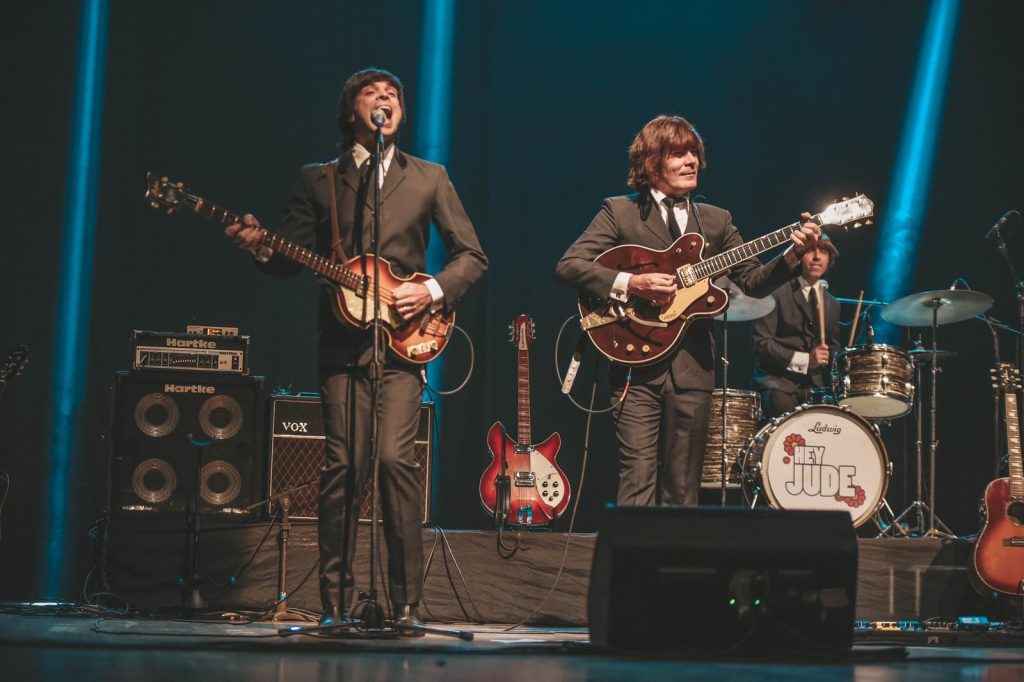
(799, 102)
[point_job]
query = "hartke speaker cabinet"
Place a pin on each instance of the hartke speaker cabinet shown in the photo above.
(297, 453)
(155, 418)
(723, 580)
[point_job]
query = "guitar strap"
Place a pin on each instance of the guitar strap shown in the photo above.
(337, 248)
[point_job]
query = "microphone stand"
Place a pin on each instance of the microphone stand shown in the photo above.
(368, 610)
(997, 233)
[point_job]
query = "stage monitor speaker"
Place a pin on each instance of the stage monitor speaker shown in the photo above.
(723, 580)
(155, 418)
(297, 453)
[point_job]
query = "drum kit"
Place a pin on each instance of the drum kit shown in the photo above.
(828, 454)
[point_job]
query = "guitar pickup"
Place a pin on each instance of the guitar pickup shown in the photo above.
(526, 479)
(421, 348)
(525, 516)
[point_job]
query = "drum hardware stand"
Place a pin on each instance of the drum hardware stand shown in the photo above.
(281, 613)
(725, 402)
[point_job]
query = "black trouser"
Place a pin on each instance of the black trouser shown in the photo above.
(346, 406)
(660, 424)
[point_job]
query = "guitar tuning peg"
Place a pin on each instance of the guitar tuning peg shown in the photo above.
(180, 185)
(170, 211)
(154, 204)
(846, 198)
(858, 225)
(163, 179)
(869, 222)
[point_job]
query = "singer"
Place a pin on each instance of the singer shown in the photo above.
(414, 194)
(789, 357)
(662, 424)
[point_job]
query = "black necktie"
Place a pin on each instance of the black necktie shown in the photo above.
(812, 299)
(673, 226)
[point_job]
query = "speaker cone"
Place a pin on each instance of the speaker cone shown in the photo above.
(154, 480)
(219, 483)
(156, 415)
(220, 417)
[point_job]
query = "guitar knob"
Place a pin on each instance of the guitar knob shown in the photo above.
(555, 484)
(710, 300)
(646, 349)
(630, 348)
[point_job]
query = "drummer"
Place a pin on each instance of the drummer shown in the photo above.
(789, 358)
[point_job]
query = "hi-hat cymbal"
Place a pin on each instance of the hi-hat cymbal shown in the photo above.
(743, 308)
(953, 305)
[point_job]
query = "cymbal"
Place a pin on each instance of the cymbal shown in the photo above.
(954, 305)
(743, 308)
(924, 355)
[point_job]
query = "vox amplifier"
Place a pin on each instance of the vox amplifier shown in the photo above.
(297, 453)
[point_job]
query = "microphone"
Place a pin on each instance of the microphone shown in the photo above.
(574, 366)
(379, 116)
(867, 325)
(993, 232)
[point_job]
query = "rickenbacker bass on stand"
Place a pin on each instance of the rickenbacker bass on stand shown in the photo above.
(523, 485)
(416, 341)
(637, 332)
(999, 553)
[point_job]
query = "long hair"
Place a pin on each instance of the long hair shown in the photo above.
(655, 141)
(347, 99)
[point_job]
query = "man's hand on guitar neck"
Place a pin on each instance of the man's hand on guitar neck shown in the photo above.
(806, 237)
(656, 287)
(247, 235)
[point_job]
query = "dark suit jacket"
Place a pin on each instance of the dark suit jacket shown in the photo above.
(791, 327)
(633, 219)
(415, 194)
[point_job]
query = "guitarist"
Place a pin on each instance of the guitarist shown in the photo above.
(661, 426)
(414, 194)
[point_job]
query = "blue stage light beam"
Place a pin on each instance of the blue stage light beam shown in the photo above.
(433, 136)
(75, 293)
(903, 220)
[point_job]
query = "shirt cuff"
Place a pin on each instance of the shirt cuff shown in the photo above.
(620, 287)
(800, 362)
(436, 294)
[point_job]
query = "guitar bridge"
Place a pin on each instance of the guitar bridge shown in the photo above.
(421, 348)
(686, 275)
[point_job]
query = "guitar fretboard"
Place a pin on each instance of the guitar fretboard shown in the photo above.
(524, 438)
(335, 272)
(1013, 446)
(716, 265)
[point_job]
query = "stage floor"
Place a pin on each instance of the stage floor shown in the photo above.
(86, 645)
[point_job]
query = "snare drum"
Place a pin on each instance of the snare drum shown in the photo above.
(743, 414)
(875, 381)
(818, 457)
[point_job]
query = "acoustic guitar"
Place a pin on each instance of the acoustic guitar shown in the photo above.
(998, 561)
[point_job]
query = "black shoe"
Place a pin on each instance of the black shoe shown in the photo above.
(406, 615)
(333, 616)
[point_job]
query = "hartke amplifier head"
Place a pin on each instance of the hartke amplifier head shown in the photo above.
(297, 453)
(156, 417)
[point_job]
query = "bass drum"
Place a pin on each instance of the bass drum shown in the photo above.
(818, 457)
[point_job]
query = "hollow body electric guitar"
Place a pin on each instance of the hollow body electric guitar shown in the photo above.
(417, 340)
(523, 485)
(637, 332)
(999, 553)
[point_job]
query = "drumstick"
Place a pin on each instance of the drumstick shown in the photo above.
(856, 318)
(821, 316)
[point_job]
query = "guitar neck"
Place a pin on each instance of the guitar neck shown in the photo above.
(525, 436)
(716, 265)
(335, 272)
(1013, 446)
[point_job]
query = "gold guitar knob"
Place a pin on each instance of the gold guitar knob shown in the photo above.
(630, 348)
(645, 349)
(711, 300)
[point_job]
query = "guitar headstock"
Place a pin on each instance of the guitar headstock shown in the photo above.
(522, 332)
(1005, 377)
(162, 193)
(848, 213)
(16, 361)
